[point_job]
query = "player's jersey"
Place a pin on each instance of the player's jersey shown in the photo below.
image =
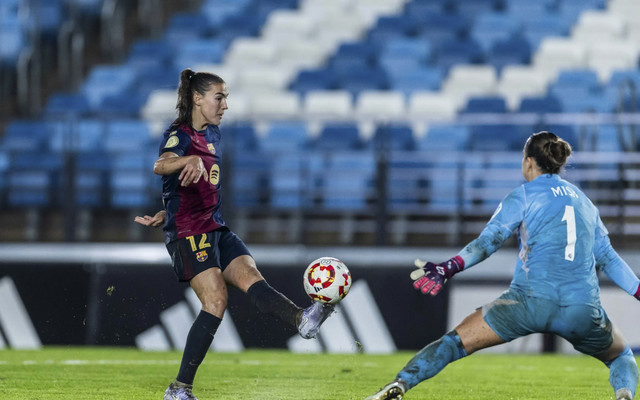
(557, 226)
(194, 209)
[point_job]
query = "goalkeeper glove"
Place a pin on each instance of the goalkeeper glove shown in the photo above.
(429, 277)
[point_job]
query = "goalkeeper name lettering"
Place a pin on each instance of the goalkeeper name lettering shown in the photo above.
(561, 191)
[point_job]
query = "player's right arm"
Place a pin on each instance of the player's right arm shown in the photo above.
(191, 167)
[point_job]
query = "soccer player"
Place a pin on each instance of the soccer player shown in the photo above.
(555, 284)
(204, 252)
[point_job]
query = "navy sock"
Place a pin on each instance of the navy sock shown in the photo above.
(270, 301)
(198, 342)
(432, 359)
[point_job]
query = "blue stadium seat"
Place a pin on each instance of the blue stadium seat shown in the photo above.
(472, 8)
(417, 48)
(501, 137)
(318, 79)
(32, 178)
(66, 104)
(127, 135)
(397, 136)
(521, 10)
(547, 104)
(186, 27)
(441, 27)
(389, 27)
(536, 28)
(79, 136)
(13, 41)
(285, 136)
(240, 137)
(566, 132)
(571, 9)
(336, 136)
(107, 80)
(421, 78)
(444, 137)
(493, 104)
(26, 135)
(358, 80)
(514, 50)
(451, 52)
(198, 51)
(489, 28)
(292, 179)
(90, 180)
(347, 183)
(250, 179)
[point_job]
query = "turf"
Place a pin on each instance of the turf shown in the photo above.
(116, 373)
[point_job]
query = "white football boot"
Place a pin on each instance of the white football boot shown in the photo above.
(392, 391)
(313, 317)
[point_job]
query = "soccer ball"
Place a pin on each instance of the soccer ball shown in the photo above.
(327, 279)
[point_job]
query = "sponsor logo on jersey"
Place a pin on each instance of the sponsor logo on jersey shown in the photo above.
(172, 142)
(214, 174)
(202, 256)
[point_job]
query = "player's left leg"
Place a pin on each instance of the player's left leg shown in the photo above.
(623, 369)
(240, 271)
(472, 334)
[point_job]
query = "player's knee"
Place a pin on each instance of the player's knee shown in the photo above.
(215, 304)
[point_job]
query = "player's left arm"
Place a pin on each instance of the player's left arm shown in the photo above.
(156, 221)
(430, 278)
(614, 267)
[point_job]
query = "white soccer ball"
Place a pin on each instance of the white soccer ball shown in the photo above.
(327, 279)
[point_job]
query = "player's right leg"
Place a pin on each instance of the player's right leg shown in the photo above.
(623, 369)
(206, 280)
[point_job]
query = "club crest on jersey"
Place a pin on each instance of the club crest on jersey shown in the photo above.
(211, 148)
(202, 256)
(172, 142)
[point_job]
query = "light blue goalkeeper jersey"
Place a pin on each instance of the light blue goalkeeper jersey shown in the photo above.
(557, 228)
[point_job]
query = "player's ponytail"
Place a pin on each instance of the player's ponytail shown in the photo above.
(548, 150)
(191, 82)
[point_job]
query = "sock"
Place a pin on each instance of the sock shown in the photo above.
(432, 359)
(623, 371)
(198, 342)
(270, 301)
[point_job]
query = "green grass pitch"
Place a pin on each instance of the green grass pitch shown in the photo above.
(117, 373)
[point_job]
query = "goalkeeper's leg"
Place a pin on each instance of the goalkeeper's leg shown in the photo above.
(471, 335)
(623, 375)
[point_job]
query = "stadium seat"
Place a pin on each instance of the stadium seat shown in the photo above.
(328, 104)
(127, 135)
(394, 137)
(292, 180)
(444, 137)
(250, 181)
(26, 135)
(240, 137)
(494, 104)
(78, 137)
(490, 28)
(501, 137)
(287, 137)
(607, 57)
(415, 79)
(517, 81)
(106, 80)
(66, 104)
(197, 51)
(441, 27)
(556, 54)
(286, 25)
(540, 104)
(315, 79)
(347, 183)
(470, 80)
(250, 51)
(424, 105)
(358, 80)
(536, 28)
(514, 50)
(380, 105)
(338, 136)
(275, 105)
(453, 52)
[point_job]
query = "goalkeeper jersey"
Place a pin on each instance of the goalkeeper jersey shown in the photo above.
(557, 227)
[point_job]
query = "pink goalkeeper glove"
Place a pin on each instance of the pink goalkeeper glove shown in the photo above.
(429, 278)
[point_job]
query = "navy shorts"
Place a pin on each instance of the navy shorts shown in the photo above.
(514, 314)
(194, 254)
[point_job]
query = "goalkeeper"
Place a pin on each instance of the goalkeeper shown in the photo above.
(555, 284)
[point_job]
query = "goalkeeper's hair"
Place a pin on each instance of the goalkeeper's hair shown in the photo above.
(190, 83)
(548, 150)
